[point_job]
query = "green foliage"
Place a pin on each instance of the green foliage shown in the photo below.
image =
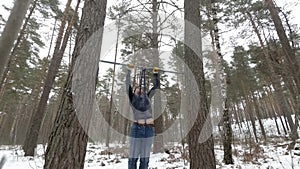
(26, 73)
(60, 80)
(103, 84)
(173, 94)
(20, 77)
(117, 11)
(49, 7)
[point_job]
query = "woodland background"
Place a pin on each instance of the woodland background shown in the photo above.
(252, 46)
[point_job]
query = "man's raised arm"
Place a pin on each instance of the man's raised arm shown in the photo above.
(155, 83)
(128, 83)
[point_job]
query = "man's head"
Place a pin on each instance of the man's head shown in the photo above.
(136, 90)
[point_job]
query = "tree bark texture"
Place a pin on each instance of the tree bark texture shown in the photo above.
(68, 139)
(158, 146)
(201, 151)
(227, 138)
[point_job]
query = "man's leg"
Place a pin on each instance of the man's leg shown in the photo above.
(135, 147)
(146, 149)
(132, 163)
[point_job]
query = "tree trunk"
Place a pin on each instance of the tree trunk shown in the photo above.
(259, 117)
(227, 141)
(227, 130)
(250, 111)
(68, 139)
(272, 112)
(275, 79)
(36, 121)
(16, 45)
(6, 126)
(158, 146)
(11, 30)
(216, 100)
(200, 140)
(111, 112)
(290, 58)
(246, 121)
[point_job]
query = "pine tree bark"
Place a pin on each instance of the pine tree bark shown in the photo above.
(68, 139)
(201, 152)
(159, 125)
(259, 117)
(250, 110)
(227, 141)
(37, 117)
(11, 30)
(227, 130)
(269, 108)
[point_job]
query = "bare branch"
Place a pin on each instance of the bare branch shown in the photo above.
(171, 4)
(171, 14)
(144, 5)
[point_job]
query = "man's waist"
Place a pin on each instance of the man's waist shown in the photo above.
(145, 121)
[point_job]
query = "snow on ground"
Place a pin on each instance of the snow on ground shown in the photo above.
(271, 155)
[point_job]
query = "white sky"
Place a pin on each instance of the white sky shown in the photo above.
(286, 4)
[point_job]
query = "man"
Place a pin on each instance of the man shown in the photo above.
(142, 130)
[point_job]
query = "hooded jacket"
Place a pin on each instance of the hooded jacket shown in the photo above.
(141, 104)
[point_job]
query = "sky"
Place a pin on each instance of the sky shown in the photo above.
(286, 4)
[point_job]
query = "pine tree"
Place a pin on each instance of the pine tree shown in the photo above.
(68, 139)
(201, 151)
(11, 30)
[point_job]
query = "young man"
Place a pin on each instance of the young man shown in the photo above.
(142, 130)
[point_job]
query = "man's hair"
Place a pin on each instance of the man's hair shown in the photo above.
(136, 87)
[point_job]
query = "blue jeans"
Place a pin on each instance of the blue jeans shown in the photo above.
(141, 140)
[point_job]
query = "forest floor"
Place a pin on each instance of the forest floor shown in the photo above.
(272, 155)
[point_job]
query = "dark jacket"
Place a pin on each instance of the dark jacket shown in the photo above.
(141, 104)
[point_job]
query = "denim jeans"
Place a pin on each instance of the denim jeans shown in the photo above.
(141, 140)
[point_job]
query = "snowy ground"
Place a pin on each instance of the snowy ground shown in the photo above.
(271, 155)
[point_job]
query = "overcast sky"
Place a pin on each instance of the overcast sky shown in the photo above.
(286, 4)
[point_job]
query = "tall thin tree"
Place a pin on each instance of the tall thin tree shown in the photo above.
(290, 59)
(36, 120)
(201, 151)
(218, 58)
(275, 77)
(11, 30)
(16, 45)
(68, 139)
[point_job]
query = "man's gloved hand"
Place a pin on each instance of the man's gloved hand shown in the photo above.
(155, 70)
(130, 67)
